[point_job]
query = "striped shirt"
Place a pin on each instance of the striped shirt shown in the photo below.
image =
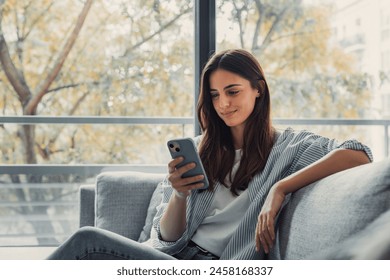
(292, 151)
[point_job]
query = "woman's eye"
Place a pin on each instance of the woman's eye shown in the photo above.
(214, 95)
(233, 92)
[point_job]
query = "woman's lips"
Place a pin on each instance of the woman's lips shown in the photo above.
(228, 114)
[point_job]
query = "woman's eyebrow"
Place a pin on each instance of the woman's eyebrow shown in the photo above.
(230, 86)
(227, 87)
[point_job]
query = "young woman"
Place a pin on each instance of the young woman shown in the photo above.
(251, 168)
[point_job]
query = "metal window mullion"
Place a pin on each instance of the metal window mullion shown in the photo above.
(204, 14)
(386, 127)
(93, 120)
(79, 169)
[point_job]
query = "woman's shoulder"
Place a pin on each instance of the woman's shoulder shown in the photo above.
(291, 135)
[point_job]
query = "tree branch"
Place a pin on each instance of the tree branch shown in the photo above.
(275, 24)
(35, 21)
(78, 103)
(14, 76)
(44, 87)
(82, 48)
(256, 33)
(300, 33)
(240, 25)
(64, 87)
(45, 151)
(161, 29)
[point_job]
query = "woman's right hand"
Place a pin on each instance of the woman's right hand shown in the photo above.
(183, 186)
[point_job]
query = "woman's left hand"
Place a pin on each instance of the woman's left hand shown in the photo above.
(265, 232)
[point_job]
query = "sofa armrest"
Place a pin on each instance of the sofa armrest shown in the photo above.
(122, 199)
(328, 212)
(371, 243)
(87, 205)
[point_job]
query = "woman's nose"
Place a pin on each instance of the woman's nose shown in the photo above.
(224, 101)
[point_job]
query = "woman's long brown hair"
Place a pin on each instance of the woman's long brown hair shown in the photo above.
(216, 148)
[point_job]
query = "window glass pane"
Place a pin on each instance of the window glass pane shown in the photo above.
(38, 209)
(321, 58)
(129, 59)
(116, 59)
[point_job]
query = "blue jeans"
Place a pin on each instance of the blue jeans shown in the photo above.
(90, 243)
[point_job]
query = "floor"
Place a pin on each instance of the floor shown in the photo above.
(25, 253)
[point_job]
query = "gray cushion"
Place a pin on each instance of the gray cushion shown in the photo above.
(152, 210)
(122, 200)
(372, 243)
(327, 212)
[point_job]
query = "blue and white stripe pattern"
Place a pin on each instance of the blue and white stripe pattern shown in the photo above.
(292, 151)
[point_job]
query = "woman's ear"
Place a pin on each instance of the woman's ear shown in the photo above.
(261, 88)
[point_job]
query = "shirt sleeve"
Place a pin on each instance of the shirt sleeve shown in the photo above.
(156, 238)
(167, 192)
(311, 147)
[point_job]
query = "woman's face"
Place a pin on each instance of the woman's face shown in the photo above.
(233, 97)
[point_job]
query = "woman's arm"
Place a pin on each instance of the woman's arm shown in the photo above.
(335, 161)
(173, 222)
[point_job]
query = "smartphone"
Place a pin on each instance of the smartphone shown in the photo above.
(185, 147)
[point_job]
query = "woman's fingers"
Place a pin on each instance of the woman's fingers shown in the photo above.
(178, 172)
(172, 164)
(192, 181)
(265, 235)
(258, 237)
(178, 182)
(271, 230)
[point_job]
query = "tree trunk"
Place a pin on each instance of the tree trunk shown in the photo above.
(27, 134)
(29, 101)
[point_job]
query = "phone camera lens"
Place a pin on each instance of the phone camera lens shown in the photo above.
(177, 149)
(171, 145)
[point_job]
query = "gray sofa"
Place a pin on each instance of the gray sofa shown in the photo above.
(343, 216)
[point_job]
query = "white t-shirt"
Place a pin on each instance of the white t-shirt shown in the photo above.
(223, 216)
